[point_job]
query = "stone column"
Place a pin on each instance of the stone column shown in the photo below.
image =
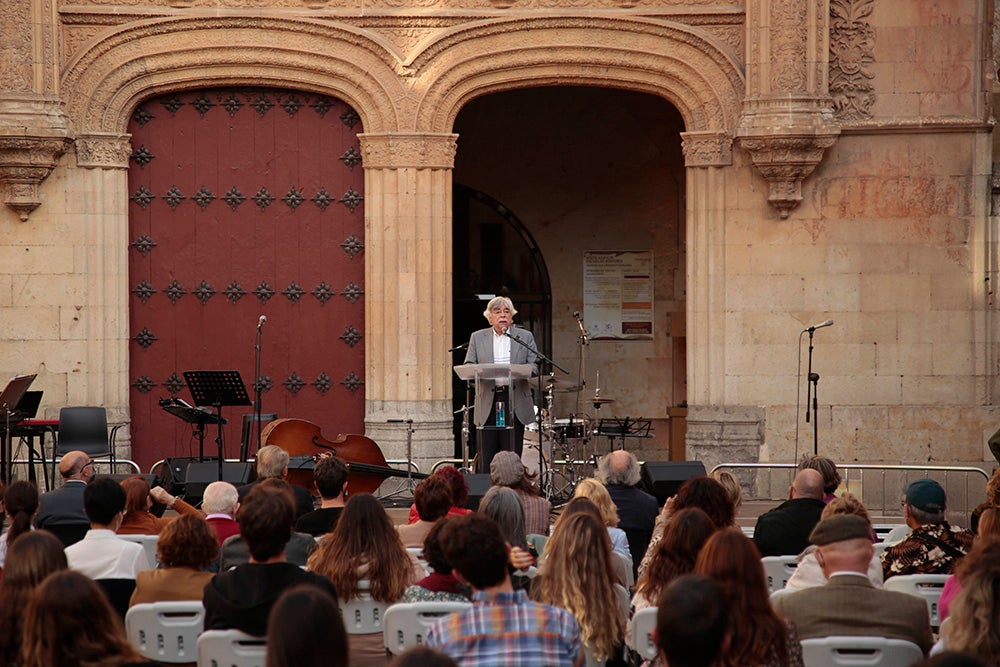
(408, 292)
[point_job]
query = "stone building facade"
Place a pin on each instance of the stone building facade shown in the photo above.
(837, 162)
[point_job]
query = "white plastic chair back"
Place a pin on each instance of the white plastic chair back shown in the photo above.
(148, 543)
(407, 623)
(166, 632)
(843, 651)
(643, 624)
(362, 615)
(231, 648)
(418, 553)
(926, 586)
(779, 570)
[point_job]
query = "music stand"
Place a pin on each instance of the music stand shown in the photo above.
(9, 398)
(217, 388)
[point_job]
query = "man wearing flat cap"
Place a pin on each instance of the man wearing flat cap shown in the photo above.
(848, 604)
(933, 546)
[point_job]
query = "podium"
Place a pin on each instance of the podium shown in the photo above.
(492, 373)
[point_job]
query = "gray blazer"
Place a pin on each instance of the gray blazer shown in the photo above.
(481, 352)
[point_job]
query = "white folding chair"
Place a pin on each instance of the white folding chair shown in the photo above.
(166, 632)
(231, 648)
(643, 623)
(841, 651)
(926, 586)
(363, 615)
(407, 623)
(779, 570)
(148, 543)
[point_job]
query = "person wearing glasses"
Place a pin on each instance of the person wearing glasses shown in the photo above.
(61, 510)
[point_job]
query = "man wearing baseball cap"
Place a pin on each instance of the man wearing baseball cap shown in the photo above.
(848, 604)
(933, 546)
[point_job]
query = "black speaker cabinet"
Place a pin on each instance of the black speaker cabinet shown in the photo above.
(201, 474)
(479, 484)
(663, 478)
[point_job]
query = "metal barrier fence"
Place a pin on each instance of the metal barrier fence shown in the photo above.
(880, 487)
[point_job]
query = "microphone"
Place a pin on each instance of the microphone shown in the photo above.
(579, 322)
(503, 332)
(828, 323)
(260, 322)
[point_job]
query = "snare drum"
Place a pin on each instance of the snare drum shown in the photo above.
(569, 429)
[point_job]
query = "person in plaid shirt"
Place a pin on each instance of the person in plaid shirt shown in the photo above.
(933, 546)
(502, 627)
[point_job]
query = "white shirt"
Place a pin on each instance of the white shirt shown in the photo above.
(501, 353)
(103, 555)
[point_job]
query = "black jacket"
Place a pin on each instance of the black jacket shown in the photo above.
(784, 531)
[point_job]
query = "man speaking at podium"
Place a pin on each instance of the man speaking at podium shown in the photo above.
(501, 343)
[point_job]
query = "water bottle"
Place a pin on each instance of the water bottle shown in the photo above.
(501, 416)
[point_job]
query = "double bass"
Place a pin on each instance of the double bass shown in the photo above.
(304, 442)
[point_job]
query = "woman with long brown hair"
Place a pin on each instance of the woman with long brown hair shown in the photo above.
(20, 503)
(577, 575)
(33, 557)
(757, 636)
(69, 623)
(366, 547)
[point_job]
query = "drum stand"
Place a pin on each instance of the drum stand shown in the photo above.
(410, 484)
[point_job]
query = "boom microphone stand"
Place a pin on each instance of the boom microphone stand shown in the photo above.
(812, 387)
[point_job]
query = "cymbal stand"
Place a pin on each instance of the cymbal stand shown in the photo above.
(584, 340)
(410, 485)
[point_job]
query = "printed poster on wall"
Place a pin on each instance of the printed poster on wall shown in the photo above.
(618, 294)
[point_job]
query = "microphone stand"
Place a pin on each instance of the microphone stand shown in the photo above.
(256, 391)
(466, 417)
(812, 388)
(584, 342)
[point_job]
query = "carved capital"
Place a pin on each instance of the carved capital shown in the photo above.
(101, 150)
(785, 161)
(24, 163)
(707, 149)
(416, 151)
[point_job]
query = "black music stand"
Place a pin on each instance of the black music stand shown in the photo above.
(9, 398)
(217, 388)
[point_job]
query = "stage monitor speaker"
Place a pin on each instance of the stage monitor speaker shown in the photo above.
(994, 443)
(173, 473)
(479, 484)
(200, 475)
(663, 478)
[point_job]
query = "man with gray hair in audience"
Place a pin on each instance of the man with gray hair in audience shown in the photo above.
(272, 462)
(219, 504)
(637, 510)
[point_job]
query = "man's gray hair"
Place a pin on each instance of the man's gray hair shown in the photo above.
(220, 498)
(498, 301)
(925, 518)
(271, 461)
(626, 470)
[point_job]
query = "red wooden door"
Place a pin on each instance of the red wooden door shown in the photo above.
(245, 202)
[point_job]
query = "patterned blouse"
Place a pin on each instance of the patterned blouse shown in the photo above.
(928, 549)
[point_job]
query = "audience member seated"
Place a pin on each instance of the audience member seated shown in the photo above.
(20, 504)
(933, 546)
(848, 604)
(580, 505)
(828, 469)
(808, 573)
(297, 549)
(139, 498)
(330, 477)
(185, 548)
(440, 585)
(576, 575)
(692, 621)
(732, 486)
(502, 627)
(220, 503)
(305, 629)
(32, 558)
(61, 510)
(757, 636)
(272, 463)
(702, 492)
(101, 554)
(69, 623)
(596, 492)
(422, 656)
(433, 500)
(459, 493)
(784, 530)
(984, 555)
(974, 625)
(992, 500)
(242, 598)
(507, 469)
(503, 505)
(675, 555)
(619, 471)
(366, 547)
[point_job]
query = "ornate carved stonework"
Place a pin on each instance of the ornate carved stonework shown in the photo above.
(399, 151)
(852, 52)
(707, 149)
(15, 46)
(789, 36)
(785, 160)
(24, 163)
(103, 150)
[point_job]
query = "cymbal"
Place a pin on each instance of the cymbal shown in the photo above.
(601, 400)
(572, 389)
(563, 386)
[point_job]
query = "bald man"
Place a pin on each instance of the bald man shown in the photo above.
(64, 506)
(784, 531)
(619, 471)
